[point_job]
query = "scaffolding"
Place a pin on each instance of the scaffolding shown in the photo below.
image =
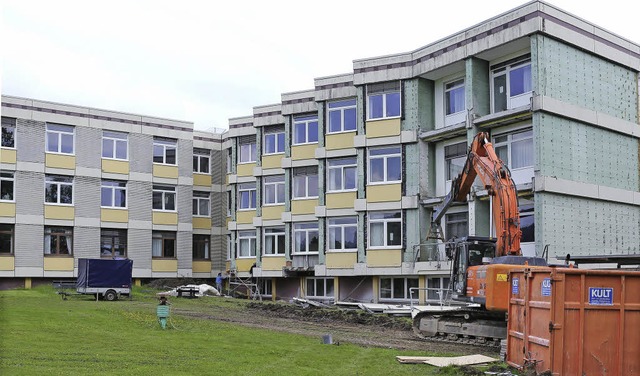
(249, 286)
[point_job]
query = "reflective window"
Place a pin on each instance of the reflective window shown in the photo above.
(273, 190)
(342, 116)
(385, 165)
(115, 145)
(165, 151)
(8, 135)
(201, 204)
(246, 244)
(383, 100)
(341, 174)
(385, 229)
(58, 241)
(113, 194)
(163, 244)
(305, 130)
(164, 197)
(58, 189)
(113, 243)
(60, 138)
(342, 233)
(305, 182)
(7, 186)
(274, 241)
(246, 196)
(305, 237)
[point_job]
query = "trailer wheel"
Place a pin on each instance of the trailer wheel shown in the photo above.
(110, 295)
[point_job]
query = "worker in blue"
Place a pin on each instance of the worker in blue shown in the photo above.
(219, 281)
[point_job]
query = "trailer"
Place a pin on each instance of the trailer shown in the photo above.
(104, 278)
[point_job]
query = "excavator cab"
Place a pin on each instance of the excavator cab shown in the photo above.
(467, 252)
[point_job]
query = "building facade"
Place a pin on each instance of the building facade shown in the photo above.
(328, 194)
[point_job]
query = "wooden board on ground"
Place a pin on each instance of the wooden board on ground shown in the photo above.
(412, 359)
(460, 360)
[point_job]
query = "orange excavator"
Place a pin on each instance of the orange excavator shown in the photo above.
(479, 265)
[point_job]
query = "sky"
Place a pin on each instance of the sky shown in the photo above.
(208, 61)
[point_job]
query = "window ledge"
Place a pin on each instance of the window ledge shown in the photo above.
(342, 251)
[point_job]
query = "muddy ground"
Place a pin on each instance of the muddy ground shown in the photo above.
(344, 326)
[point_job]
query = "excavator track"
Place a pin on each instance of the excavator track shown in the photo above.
(465, 326)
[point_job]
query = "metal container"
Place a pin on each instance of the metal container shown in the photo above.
(574, 322)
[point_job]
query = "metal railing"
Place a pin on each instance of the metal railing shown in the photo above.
(444, 296)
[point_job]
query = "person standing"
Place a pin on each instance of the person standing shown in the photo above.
(219, 281)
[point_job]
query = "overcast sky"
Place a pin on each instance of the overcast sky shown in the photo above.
(208, 61)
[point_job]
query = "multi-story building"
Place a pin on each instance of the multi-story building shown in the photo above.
(81, 182)
(328, 194)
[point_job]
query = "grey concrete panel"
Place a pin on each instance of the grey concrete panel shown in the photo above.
(185, 203)
(185, 250)
(30, 140)
(86, 196)
(86, 242)
(139, 248)
(185, 157)
(141, 153)
(29, 193)
(29, 246)
(217, 166)
(88, 147)
(139, 196)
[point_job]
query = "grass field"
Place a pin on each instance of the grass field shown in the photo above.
(40, 334)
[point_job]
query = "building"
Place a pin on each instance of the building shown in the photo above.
(329, 193)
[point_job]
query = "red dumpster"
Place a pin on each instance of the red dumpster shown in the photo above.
(574, 322)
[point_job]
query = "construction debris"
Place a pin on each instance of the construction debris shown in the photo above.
(440, 361)
(198, 290)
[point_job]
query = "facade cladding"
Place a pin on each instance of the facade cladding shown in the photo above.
(328, 194)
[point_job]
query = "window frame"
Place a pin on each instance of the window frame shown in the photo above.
(385, 158)
(384, 90)
(198, 156)
(164, 190)
(229, 161)
(113, 234)
(249, 236)
(242, 189)
(5, 122)
(164, 236)
(385, 222)
(298, 176)
(505, 69)
(342, 106)
(449, 87)
(325, 281)
(455, 219)
(113, 189)
(8, 229)
(459, 156)
(201, 240)
(277, 232)
(306, 228)
(60, 231)
(115, 137)
(342, 228)
(342, 167)
(197, 197)
(8, 176)
(165, 144)
(70, 182)
(269, 182)
(60, 133)
(405, 286)
(443, 288)
(509, 143)
(307, 121)
(253, 157)
(276, 141)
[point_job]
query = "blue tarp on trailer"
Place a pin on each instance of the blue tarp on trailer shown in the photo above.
(104, 273)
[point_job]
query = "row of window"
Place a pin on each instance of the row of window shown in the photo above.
(60, 139)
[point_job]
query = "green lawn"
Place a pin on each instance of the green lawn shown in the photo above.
(40, 334)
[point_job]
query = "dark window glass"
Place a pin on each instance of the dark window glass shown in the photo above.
(393, 104)
(375, 106)
(350, 119)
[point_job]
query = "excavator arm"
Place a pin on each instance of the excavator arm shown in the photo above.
(483, 162)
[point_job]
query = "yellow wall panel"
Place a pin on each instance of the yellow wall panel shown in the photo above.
(273, 262)
(59, 212)
(114, 215)
(339, 141)
(164, 265)
(201, 222)
(58, 263)
(383, 128)
(115, 166)
(202, 180)
(384, 257)
(384, 192)
(245, 216)
(7, 263)
(8, 156)
(244, 264)
(162, 218)
(165, 171)
(341, 260)
(60, 161)
(272, 212)
(340, 200)
(245, 169)
(304, 151)
(272, 161)
(201, 267)
(7, 209)
(304, 206)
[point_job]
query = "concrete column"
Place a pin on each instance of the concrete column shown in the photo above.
(321, 117)
(362, 239)
(321, 240)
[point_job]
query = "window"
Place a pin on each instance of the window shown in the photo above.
(229, 162)
(274, 241)
(113, 243)
(246, 196)
(164, 197)
(274, 140)
(114, 145)
(8, 135)
(305, 130)
(274, 190)
(385, 165)
(342, 174)
(343, 233)
(6, 186)
(60, 138)
(201, 204)
(58, 241)
(165, 151)
(246, 243)
(113, 194)
(305, 182)
(437, 288)
(456, 225)
(305, 237)
(201, 161)
(455, 157)
(201, 247)
(397, 288)
(319, 287)
(247, 153)
(515, 149)
(229, 247)
(383, 100)
(511, 84)
(342, 116)
(527, 220)
(454, 97)
(58, 190)
(228, 203)
(265, 287)
(385, 229)
(6, 239)
(163, 244)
